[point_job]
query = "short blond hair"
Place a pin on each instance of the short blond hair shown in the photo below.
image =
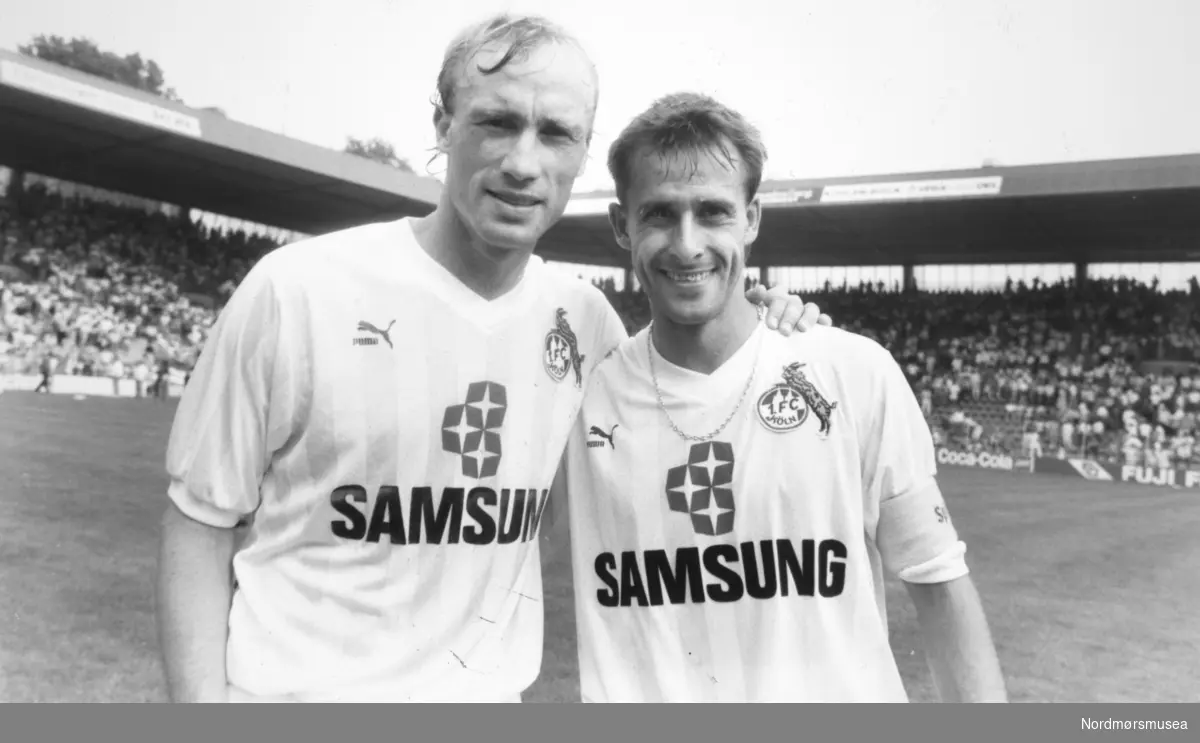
(522, 33)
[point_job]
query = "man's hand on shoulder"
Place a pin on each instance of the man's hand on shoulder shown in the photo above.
(787, 312)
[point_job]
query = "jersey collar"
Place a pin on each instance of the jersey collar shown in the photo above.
(462, 300)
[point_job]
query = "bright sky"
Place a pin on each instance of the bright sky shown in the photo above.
(839, 88)
(843, 87)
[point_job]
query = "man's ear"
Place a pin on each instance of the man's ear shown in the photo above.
(441, 128)
(753, 220)
(616, 217)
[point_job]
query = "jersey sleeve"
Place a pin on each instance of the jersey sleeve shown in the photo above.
(234, 413)
(915, 536)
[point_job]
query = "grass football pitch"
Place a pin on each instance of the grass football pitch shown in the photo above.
(1092, 589)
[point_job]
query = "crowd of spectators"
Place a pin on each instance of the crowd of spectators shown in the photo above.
(1035, 369)
(1058, 369)
(105, 289)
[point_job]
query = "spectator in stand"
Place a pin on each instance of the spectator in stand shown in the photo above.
(1185, 447)
(100, 276)
(926, 401)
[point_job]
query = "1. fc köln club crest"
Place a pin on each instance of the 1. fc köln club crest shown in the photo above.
(561, 352)
(785, 406)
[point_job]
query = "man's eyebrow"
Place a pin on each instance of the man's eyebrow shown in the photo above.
(650, 206)
(574, 130)
(724, 205)
(500, 111)
(487, 111)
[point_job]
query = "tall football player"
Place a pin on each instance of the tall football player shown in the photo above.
(386, 407)
(736, 496)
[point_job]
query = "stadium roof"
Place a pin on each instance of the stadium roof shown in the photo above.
(1143, 210)
(80, 128)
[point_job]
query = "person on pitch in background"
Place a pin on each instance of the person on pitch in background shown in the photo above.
(385, 407)
(47, 367)
(731, 526)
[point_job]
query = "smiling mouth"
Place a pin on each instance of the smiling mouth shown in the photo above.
(513, 199)
(688, 277)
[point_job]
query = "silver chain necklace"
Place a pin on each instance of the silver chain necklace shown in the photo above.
(663, 407)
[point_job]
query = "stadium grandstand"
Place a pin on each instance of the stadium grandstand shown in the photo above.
(1048, 310)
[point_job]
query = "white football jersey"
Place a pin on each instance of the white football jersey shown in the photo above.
(392, 438)
(750, 567)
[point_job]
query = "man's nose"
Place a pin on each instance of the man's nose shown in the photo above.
(687, 242)
(521, 162)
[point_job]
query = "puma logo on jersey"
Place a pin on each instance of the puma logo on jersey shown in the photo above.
(366, 327)
(597, 431)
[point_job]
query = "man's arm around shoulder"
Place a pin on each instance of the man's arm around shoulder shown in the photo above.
(195, 589)
(958, 643)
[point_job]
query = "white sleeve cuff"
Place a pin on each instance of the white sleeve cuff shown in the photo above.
(199, 510)
(946, 567)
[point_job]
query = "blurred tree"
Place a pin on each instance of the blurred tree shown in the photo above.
(379, 151)
(83, 55)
